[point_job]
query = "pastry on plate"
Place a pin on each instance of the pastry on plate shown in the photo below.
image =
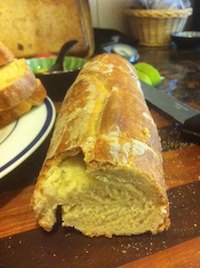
(19, 88)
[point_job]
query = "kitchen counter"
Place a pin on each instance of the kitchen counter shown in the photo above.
(180, 69)
(23, 244)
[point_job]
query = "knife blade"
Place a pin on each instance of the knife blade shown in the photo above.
(188, 117)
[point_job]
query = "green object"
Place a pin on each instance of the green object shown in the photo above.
(144, 77)
(42, 65)
(148, 74)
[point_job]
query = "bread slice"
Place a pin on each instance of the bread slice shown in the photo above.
(19, 89)
(6, 56)
(11, 114)
(104, 163)
(17, 83)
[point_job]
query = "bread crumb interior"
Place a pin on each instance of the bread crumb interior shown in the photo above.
(105, 201)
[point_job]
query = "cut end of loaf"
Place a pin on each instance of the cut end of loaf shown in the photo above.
(101, 201)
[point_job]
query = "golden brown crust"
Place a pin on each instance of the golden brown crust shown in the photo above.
(114, 84)
(120, 107)
(6, 55)
(37, 97)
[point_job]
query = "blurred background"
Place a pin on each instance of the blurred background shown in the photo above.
(110, 14)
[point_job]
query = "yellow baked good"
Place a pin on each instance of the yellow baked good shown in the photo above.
(35, 99)
(104, 163)
(17, 83)
(19, 88)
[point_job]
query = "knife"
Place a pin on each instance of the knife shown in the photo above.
(188, 117)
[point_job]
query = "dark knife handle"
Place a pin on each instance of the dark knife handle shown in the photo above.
(192, 126)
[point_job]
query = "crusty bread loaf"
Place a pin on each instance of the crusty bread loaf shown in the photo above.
(29, 27)
(104, 163)
(14, 112)
(6, 55)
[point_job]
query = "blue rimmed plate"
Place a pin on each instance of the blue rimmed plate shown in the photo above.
(21, 138)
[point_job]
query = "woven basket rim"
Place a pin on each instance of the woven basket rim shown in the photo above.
(160, 13)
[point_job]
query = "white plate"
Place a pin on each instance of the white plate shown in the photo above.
(21, 138)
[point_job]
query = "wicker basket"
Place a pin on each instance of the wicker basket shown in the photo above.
(153, 27)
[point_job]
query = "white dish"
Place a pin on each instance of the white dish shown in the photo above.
(21, 138)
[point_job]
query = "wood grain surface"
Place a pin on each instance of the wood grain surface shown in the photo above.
(183, 255)
(23, 244)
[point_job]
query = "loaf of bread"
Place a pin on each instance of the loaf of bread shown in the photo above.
(104, 163)
(29, 27)
(19, 88)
